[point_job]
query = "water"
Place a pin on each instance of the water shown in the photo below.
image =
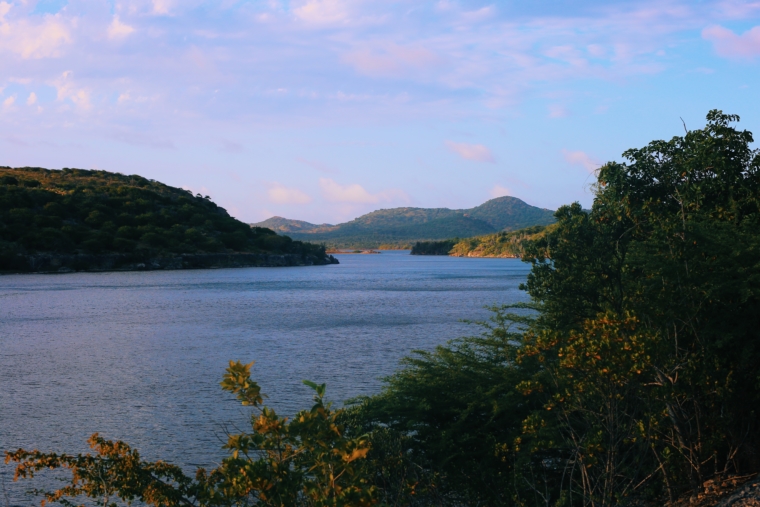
(139, 356)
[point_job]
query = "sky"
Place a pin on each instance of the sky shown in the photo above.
(323, 110)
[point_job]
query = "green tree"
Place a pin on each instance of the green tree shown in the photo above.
(659, 286)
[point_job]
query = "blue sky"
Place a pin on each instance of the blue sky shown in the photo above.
(323, 110)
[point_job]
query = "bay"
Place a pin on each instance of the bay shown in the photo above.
(138, 356)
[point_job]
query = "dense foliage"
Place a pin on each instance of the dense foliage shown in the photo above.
(95, 212)
(434, 247)
(639, 379)
(403, 226)
(632, 377)
(649, 334)
(501, 244)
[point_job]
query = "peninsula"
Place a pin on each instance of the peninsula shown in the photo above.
(505, 244)
(81, 220)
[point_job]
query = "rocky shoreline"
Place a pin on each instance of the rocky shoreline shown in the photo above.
(53, 263)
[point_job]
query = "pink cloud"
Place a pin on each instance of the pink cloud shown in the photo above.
(118, 30)
(355, 193)
(581, 158)
(323, 12)
(476, 152)
(730, 45)
(32, 39)
(283, 195)
(500, 191)
(392, 60)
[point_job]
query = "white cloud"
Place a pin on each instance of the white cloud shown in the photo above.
(355, 193)
(9, 101)
(118, 30)
(283, 195)
(67, 90)
(499, 191)
(32, 99)
(477, 152)
(581, 158)
(335, 192)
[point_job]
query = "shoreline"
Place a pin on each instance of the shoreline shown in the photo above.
(367, 251)
(76, 263)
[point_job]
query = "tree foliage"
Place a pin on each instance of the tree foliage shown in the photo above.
(95, 212)
(648, 332)
(639, 378)
(501, 244)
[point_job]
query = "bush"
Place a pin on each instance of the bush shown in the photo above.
(306, 461)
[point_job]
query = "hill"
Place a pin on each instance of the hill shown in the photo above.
(74, 219)
(286, 225)
(403, 226)
(501, 244)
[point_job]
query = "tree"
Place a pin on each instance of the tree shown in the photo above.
(649, 313)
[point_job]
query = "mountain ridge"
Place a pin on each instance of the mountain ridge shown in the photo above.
(406, 225)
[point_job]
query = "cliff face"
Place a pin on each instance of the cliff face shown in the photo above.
(55, 263)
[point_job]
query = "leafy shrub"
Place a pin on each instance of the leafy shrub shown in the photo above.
(306, 461)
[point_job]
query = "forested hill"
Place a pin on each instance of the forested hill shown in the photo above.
(407, 225)
(81, 219)
(286, 225)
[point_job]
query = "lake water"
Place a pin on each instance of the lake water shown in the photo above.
(139, 356)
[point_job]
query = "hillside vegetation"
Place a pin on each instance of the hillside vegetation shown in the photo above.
(502, 244)
(79, 212)
(403, 226)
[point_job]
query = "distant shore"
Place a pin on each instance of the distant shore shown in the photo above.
(350, 251)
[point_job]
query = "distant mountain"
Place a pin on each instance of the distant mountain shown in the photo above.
(403, 226)
(288, 225)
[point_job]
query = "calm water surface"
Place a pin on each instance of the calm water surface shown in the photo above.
(139, 356)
